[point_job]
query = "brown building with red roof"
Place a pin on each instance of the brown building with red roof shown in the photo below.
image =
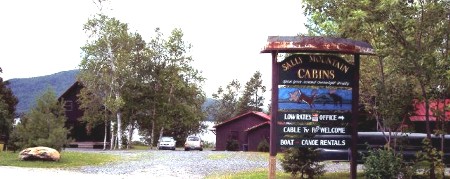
(248, 130)
(257, 134)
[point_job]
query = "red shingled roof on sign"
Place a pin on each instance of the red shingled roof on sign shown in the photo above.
(296, 44)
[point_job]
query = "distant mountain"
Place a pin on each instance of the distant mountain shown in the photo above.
(28, 89)
(208, 102)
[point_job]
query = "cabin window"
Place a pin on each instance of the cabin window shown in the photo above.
(68, 105)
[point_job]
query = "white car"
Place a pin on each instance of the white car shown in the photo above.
(167, 143)
(193, 143)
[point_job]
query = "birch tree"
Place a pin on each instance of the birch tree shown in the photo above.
(106, 63)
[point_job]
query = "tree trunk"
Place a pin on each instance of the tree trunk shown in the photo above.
(152, 135)
(119, 130)
(130, 135)
(389, 138)
(427, 126)
(443, 128)
(442, 147)
(161, 133)
(113, 136)
(119, 124)
(106, 135)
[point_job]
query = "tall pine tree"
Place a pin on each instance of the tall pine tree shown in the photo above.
(43, 125)
(8, 104)
(252, 99)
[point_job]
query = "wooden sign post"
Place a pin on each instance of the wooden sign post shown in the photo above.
(314, 93)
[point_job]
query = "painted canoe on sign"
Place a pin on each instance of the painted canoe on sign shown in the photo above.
(314, 99)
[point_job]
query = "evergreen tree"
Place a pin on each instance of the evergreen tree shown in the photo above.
(225, 105)
(43, 125)
(302, 161)
(252, 99)
(8, 104)
(230, 102)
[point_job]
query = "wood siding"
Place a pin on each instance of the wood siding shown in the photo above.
(257, 135)
(79, 129)
(225, 130)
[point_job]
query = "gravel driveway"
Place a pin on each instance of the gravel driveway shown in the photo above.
(161, 164)
(179, 163)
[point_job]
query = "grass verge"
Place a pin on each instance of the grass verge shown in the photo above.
(68, 159)
(218, 156)
(263, 173)
(141, 147)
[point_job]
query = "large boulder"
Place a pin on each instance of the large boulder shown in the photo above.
(40, 153)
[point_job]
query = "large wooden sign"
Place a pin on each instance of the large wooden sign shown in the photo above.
(314, 99)
(296, 112)
(320, 70)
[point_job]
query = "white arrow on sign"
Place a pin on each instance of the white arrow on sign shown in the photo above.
(341, 117)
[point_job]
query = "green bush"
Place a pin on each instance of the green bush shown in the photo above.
(263, 146)
(43, 125)
(430, 159)
(207, 144)
(385, 164)
(303, 161)
(232, 145)
(140, 143)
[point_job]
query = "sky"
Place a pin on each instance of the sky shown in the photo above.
(44, 37)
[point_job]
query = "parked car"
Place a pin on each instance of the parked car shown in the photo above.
(167, 143)
(193, 143)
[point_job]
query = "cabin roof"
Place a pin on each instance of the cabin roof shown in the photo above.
(257, 126)
(260, 114)
(74, 85)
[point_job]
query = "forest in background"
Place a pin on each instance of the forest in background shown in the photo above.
(28, 89)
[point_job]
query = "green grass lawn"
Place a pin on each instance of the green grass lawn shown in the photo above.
(68, 159)
(263, 173)
(141, 147)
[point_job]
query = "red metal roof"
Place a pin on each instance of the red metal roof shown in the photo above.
(434, 105)
(257, 126)
(261, 114)
(296, 44)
